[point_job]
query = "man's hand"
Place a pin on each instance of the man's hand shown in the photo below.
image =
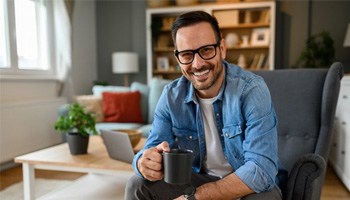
(150, 164)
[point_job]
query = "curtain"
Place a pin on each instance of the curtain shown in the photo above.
(63, 41)
(63, 10)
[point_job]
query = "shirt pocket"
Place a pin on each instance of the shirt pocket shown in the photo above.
(233, 137)
(186, 139)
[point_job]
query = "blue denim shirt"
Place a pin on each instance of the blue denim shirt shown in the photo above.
(245, 119)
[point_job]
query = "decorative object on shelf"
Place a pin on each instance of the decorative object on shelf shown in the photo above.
(347, 37)
(167, 22)
(319, 51)
(242, 61)
(163, 63)
(186, 2)
(264, 16)
(231, 40)
(164, 41)
(158, 3)
(77, 125)
(260, 37)
(247, 17)
(125, 63)
(245, 41)
(227, 18)
(260, 61)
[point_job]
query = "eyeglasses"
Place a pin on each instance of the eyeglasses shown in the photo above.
(206, 52)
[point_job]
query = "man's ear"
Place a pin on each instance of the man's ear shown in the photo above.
(223, 48)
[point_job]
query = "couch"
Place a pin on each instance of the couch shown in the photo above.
(149, 95)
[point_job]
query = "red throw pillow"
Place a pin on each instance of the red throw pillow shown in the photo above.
(122, 107)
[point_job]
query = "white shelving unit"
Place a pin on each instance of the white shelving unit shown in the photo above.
(241, 19)
(340, 152)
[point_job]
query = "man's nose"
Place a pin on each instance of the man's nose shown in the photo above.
(198, 61)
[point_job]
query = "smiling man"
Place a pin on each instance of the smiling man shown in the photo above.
(221, 112)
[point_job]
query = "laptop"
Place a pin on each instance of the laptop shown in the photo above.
(118, 145)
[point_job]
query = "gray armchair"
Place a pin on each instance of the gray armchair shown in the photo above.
(305, 102)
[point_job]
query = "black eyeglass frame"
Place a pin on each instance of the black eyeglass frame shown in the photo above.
(176, 52)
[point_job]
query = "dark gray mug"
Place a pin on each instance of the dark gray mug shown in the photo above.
(177, 166)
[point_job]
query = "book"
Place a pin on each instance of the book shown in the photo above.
(254, 61)
(266, 65)
(227, 18)
(261, 61)
(264, 16)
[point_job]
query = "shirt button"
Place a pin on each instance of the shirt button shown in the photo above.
(217, 114)
(190, 137)
(226, 134)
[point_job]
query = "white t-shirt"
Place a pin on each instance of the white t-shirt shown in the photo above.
(215, 163)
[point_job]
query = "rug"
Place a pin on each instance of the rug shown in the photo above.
(42, 186)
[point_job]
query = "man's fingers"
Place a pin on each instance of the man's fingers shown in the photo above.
(150, 164)
(153, 175)
(153, 154)
(164, 146)
(151, 170)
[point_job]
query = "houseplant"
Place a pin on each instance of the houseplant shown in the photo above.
(319, 51)
(77, 125)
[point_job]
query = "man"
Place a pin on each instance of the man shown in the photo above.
(219, 111)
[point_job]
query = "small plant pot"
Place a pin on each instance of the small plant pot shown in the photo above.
(77, 144)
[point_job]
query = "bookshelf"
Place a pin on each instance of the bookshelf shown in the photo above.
(247, 27)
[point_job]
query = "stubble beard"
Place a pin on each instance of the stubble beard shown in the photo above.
(212, 79)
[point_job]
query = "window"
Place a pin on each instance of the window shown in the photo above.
(24, 37)
(3, 44)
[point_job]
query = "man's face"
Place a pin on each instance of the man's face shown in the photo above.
(205, 75)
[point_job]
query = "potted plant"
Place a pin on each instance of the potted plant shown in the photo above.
(319, 51)
(77, 125)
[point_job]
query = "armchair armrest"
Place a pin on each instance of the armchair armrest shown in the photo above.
(306, 178)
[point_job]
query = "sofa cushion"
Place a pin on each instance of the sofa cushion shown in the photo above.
(92, 104)
(156, 89)
(122, 107)
(144, 90)
(97, 90)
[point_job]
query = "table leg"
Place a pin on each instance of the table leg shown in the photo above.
(28, 181)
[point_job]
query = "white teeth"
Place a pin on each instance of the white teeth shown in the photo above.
(201, 73)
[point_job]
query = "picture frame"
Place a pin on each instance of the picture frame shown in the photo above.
(163, 63)
(260, 37)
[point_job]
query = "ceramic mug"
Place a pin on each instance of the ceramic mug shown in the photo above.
(177, 165)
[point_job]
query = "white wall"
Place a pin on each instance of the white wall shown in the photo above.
(28, 108)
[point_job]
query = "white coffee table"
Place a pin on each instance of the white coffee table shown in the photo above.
(58, 158)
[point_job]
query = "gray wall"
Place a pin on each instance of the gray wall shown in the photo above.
(84, 48)
(335, 18)
(296, 20)
(121, 27)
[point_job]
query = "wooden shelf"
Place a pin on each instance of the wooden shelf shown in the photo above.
(248, 47)
(164, 49)
(250, 25)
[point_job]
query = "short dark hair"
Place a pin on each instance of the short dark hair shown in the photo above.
(192, 18)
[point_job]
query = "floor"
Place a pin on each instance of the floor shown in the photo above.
(333, 188)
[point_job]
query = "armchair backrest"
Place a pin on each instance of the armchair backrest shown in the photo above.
(305, 102)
